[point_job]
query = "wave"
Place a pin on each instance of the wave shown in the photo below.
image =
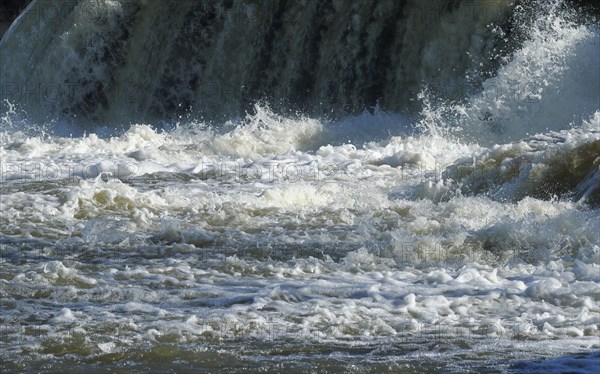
(549, 165)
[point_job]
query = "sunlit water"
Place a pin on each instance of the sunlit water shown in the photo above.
(376, 242)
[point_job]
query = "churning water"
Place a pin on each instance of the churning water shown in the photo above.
(464, 235)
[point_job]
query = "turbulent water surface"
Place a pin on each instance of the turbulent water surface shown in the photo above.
(464, 236)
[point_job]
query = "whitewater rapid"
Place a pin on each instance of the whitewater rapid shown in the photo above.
(265, 232)
(465, 236)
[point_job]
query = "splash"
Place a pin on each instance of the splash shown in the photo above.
(549, 83)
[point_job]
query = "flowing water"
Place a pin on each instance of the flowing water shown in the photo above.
(462, 236)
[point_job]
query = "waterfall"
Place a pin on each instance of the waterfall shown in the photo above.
(109, 61)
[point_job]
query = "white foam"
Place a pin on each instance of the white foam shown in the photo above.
(297, 229)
